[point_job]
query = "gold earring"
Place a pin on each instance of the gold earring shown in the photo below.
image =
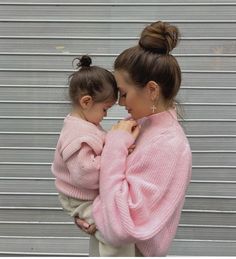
(153, 108)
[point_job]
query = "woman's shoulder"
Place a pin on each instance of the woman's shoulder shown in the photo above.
(173, 139)
(167, 147)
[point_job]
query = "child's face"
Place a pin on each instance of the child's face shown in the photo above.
(98, 111)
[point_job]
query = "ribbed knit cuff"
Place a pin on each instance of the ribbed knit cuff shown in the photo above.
(120, 138)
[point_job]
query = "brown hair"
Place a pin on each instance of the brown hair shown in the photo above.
(151, 60)
(95, 81)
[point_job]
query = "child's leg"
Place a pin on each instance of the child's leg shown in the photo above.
(93, 247)
(106, 250)
(138, 253)
(100, 248)
(76, 207)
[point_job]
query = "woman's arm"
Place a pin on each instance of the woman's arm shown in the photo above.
(125, 126)
(137, 200)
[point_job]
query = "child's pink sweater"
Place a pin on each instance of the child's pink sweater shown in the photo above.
(77, 158)
(141, 195)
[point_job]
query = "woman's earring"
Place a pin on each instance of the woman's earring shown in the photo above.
(153, 108)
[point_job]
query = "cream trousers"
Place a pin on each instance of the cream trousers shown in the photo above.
(98, 246)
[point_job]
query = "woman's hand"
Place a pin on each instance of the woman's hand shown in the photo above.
(130, 126)
(83, 225)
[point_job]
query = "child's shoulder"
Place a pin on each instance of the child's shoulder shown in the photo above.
(76, 128)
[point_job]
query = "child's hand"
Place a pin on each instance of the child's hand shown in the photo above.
(83, 225)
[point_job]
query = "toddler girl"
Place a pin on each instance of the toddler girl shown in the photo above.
(76, 164)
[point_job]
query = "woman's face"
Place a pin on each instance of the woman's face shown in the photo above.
(136, 100)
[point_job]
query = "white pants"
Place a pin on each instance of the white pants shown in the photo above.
(125, 251)
(98, 246)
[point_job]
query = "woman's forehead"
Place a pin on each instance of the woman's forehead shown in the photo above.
(121, 81)
(121, 75)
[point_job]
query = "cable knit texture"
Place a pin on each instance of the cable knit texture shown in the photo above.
(142, 194)
(77, 158)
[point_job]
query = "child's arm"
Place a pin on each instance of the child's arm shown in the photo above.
(84, 166)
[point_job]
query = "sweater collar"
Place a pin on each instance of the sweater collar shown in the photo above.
(162, 119)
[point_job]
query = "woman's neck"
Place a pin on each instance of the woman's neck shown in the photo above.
(162, 106)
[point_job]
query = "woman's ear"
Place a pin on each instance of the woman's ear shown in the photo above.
(86, 102)
(153, 90)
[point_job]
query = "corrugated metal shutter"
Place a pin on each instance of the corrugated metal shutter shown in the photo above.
(38, 40)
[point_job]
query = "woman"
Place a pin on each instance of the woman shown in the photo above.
(142, 193)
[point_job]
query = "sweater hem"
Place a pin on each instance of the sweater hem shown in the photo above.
(74, 192)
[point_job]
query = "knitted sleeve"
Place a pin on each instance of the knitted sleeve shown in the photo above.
(82, 158)
(144, 193)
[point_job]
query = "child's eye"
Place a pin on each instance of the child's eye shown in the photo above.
(123, 95)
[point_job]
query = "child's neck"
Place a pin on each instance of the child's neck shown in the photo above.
(77, 112)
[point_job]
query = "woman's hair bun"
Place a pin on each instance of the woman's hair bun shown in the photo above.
(159, 37)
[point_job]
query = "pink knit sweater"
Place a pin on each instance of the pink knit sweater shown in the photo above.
(77, 158)
(141, 195)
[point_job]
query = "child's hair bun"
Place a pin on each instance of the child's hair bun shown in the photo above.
(159, 37)
(85, 61)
